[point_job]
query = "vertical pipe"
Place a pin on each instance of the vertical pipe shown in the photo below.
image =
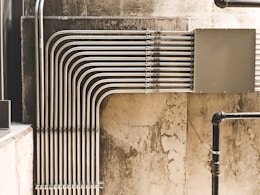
(215, 160)
(39, 155)
(41, 87)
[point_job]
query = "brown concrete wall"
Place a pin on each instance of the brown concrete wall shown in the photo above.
(144, 144)
(159, 143)
(239, 144)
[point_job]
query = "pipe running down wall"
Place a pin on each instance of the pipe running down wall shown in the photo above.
(237, 3)
(217, 118)
(75, 72)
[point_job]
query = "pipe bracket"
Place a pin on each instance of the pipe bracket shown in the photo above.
(215, 170)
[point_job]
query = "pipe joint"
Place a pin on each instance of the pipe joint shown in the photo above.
(217, 118)
(221, 3)
(215, 170)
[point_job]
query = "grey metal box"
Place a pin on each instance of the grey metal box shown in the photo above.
(5, 114)
(224, 60)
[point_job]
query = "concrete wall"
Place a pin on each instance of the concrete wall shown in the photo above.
(159, 143)
(16, 161)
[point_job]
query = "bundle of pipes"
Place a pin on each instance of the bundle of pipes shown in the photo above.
(257, 63)
(83, 67)
(75, 73)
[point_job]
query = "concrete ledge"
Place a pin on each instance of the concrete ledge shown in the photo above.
(16, 161)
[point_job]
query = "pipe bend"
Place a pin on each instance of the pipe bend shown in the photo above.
(217, 117)
(221, 3)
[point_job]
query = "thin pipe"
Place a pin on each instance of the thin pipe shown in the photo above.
(53, 102)
(217, 118)
(39, 154)
(99, 101)
(237, 3)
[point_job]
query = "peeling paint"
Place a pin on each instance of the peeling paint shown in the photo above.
(136, 155)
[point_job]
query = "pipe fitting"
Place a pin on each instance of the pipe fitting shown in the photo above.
(217, 117)
(221, 3)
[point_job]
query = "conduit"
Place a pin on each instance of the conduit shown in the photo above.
(80, 69)
(216, 120)
(237, 3)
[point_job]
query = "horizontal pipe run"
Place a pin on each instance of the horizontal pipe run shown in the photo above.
(219, 116)
(71, 62)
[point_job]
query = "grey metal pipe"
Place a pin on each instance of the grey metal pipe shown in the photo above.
(53, 106)
(39, 153)
(97, 126)
(237, 3)
(93, 78)
(216, 120)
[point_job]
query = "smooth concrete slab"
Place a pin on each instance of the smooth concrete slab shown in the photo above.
(16, 161)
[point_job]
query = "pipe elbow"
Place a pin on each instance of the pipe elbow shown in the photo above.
(217, 117)
(221, 3)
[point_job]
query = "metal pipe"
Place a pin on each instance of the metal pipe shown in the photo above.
(97, 114)
(216, 120)
(237, 3)
(56, 103)
(39, 155)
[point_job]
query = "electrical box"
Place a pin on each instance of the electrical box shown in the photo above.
(224, 60)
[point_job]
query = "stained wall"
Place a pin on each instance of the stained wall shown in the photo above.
(160, 143)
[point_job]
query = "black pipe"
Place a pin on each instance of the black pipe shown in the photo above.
(237, 3)
(216, 120)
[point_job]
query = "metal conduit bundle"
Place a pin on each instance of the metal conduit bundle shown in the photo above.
(257, 63)
(77, 70)
(83, 67)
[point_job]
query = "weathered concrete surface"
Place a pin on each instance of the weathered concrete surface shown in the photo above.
(239, 144)
(202, 14)
(93, 7)
(144, 144)
(16, 161)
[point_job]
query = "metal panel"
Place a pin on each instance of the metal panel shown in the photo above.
(224, 60)
(5, 115)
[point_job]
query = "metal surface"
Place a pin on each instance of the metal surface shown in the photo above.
(224, 60)
(82, 66)
(75, 71)
(217, 118)
(257, 62)
(237, 3)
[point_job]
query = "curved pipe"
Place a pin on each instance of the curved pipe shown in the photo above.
(72, 69)
(217, 118)
(114, 90)
(59, 41)
(237, 3)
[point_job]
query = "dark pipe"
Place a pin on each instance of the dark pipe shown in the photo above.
(237, 3)
(216, 120)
